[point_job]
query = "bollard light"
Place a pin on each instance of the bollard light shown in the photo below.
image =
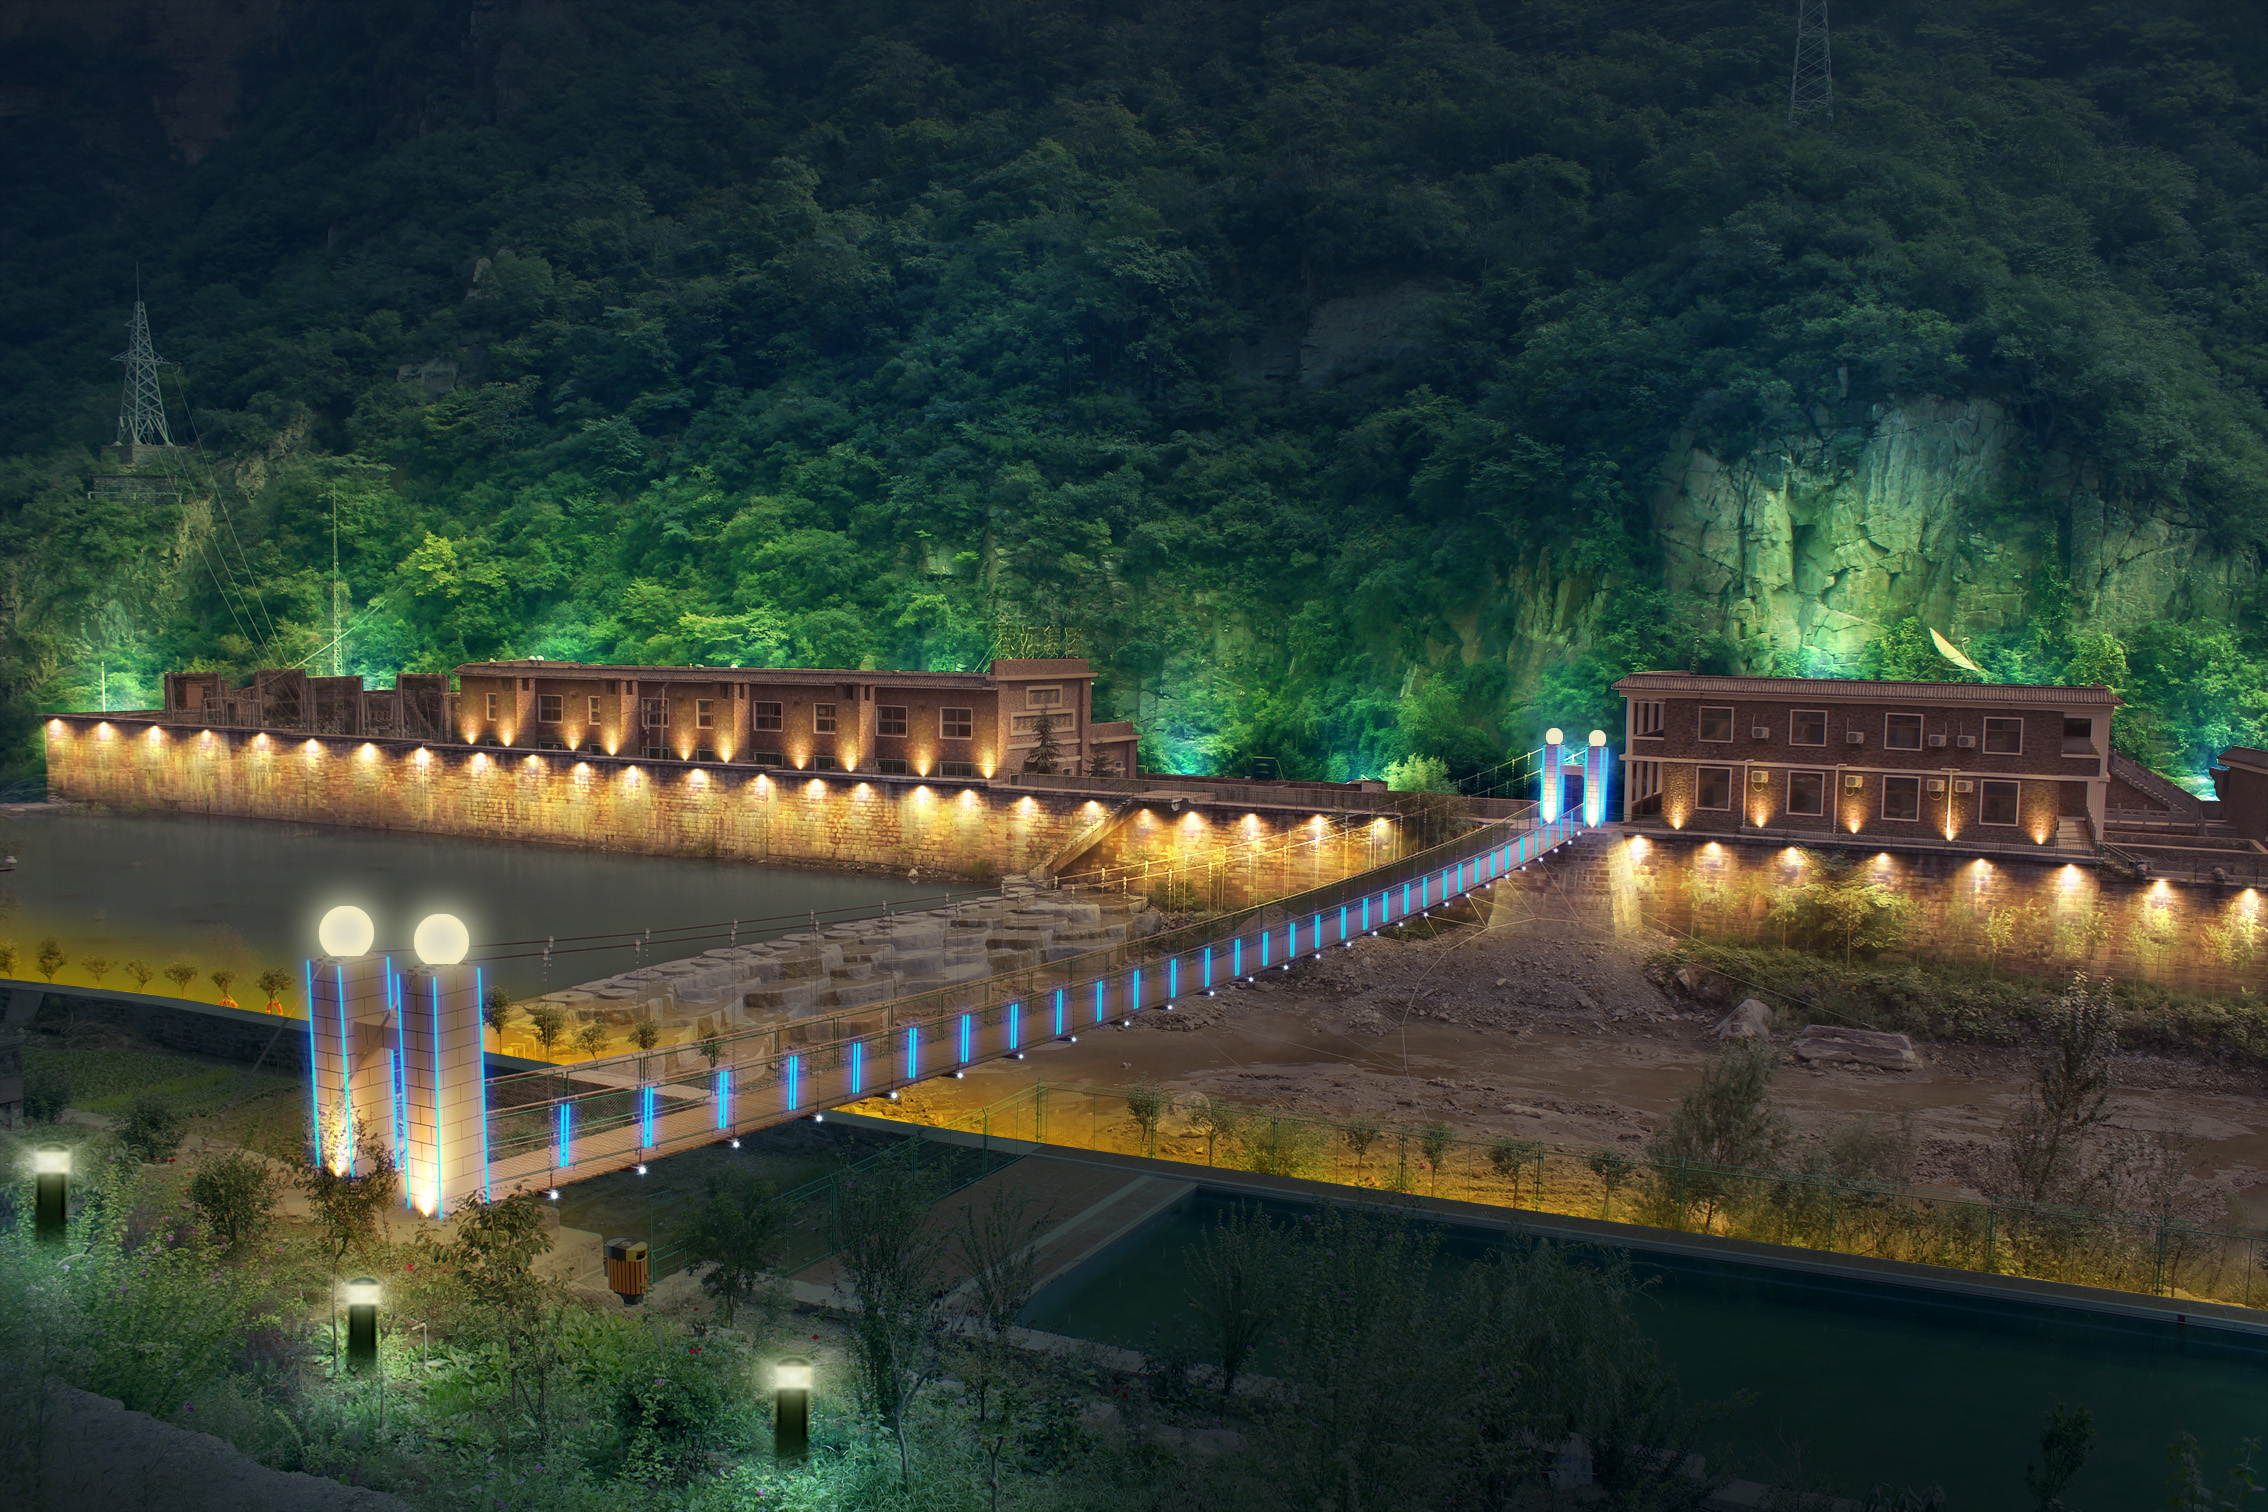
(346, 932)
(441, 940)
(791, 1408)
(51, 1193)
(362, 1324)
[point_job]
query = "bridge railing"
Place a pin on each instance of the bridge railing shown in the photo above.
(546, 1126)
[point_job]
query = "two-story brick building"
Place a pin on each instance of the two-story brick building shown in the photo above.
(1980, 763)
(922, 724)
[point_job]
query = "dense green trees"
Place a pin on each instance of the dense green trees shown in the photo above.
(832, 334)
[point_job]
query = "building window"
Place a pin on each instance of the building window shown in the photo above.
(824, 764)
(1713, 787)
(704, 713)
(551, 745)
(1645, 779)
(547, 708)
(823, 718)
(767, 758)
(889, 719)
(1043, 698)
(592, 748)
(767, 716)
(1807, 793)
(491, 705)
(956, 724)
(1807, 727)
(705, 753)
(1901, 732)
(1716, 724)
(957, 769)
(892, 766)
(653, 753)
(2003, 736)
(1901, 797)
(2079, 737)
(1996, 803)
(594, 719)
(655, 718)
(1646, 717)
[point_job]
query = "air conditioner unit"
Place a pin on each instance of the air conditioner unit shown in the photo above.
(1760, 777)
(1854, 737)
(1760, 732)
(1937, 740)
(1935, 784)
(1854, 782)
(1968, 742)
(1963, 785)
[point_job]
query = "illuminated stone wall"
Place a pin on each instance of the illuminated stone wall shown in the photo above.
(1230, 856)
(2055, 917)
(601, 803)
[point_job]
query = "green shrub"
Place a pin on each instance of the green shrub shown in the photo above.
(47, 1090)
(152, 1130)
(235, 1197)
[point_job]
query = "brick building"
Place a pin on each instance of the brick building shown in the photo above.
(920, 724)
(1978, 763)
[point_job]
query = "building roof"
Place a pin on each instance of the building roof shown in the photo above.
(1853, 688)
(2250, 757)
(797, 676)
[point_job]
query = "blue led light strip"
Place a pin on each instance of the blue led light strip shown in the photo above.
(913, 1053)
(346, 1084)
(1015, 1024)
(314, 1079)
(793, 1079)
(482, 1087)
(1208, 982)
(1098, 1000)
(964, 1039)
(858, 1068)
(566, 1135)
(724, 1100)
(1173, 978)
(1136, 1004)
(1058, 1010)
(434, 1008)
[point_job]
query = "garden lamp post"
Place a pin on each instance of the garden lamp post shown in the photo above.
(791, 1408)
(362, 1324)
(51, 1193)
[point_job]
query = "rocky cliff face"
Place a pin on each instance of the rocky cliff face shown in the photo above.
(1804, 552)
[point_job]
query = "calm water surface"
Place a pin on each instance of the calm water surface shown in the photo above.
(248, 892)
(1851, 1386)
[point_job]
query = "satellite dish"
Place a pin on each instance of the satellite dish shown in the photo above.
(1952, 653)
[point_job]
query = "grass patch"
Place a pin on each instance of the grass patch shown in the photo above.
(1958, 1002)
(104, 1080)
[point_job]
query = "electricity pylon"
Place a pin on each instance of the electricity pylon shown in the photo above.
(1812, 92)
(141, 408)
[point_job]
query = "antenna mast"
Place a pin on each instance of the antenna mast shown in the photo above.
(141, 408)
(1812, 92)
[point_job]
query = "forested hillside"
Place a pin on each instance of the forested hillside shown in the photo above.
(1352, 379)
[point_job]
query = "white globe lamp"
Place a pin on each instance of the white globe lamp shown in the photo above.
(441, 940)
(346, 932)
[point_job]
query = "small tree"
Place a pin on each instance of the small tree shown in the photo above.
(222, 980)
(1360, 1135)
(152, 1130)
(496, 1012)
(51, 957)
(274, 982)
(1726, 1121)
(712, 1050)
(1614, 1170)
(1216, 1120)
(1102, 764)
(1843, 905)
(181, 974)
(1047, 755)
(892, 1260)
(493, 1256)
(235, 1197)
(591, 1039)
(96, 967)
(2044, 1156)
(1236, 1274)
(549, 1022)
(345, 1209)
(740, 1232)
(7, 958)
(139, 972)
(1001, 1259)
(1434, 1140)
(1146, 1100)
(2065, 1443)
(645, 1034)
(47, 1090)
(1508, 1156)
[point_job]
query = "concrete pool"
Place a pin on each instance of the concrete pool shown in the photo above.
(1852, 1381)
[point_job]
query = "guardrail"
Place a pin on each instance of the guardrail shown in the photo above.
(542, 1129)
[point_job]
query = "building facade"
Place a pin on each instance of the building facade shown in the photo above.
(1974, 763)
(970, 725)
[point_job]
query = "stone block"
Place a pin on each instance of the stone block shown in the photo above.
(1831, 1044)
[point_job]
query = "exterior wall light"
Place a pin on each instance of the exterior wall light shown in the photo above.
(791, 1408)
(362, 1325)
(51, 1193)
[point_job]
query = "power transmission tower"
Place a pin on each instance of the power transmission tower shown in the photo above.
(1813, 90)
(141, 408)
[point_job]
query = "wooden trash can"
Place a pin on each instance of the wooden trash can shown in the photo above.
(626, 1269)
